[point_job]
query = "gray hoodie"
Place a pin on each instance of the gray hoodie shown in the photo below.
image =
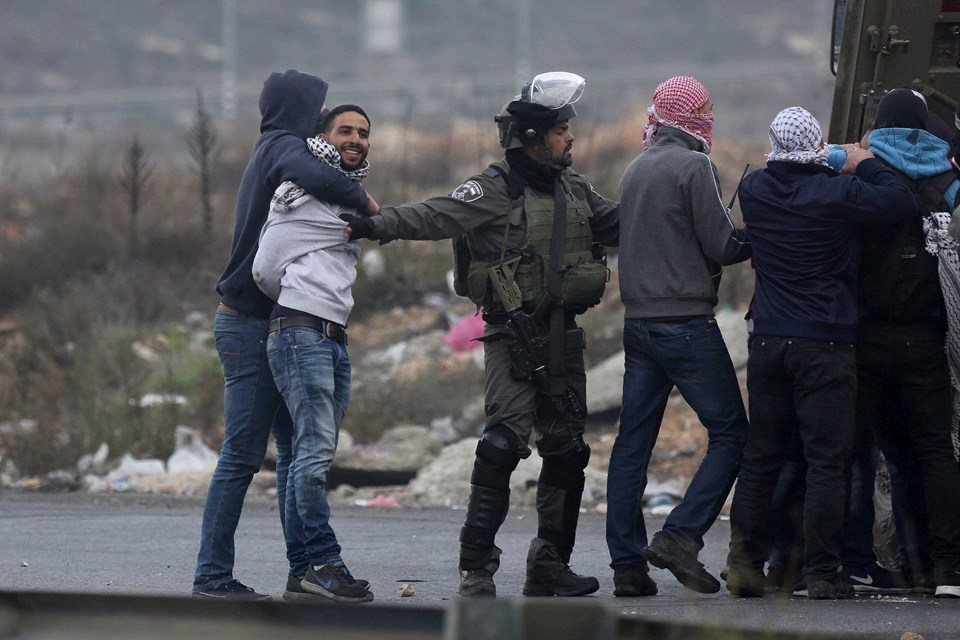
(304, 262)
(675, 231)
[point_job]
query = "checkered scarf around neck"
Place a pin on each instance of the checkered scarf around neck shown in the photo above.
(795, 136)
(675, 104)
(329, 154)
(941, 243)
(289, 195)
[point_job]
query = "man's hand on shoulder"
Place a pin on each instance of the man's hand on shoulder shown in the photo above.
(855, 155)
(357, 226)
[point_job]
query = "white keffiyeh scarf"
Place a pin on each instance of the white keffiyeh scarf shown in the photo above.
(795, 136)
(941, 244)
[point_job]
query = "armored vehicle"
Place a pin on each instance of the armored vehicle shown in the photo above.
(878, 45)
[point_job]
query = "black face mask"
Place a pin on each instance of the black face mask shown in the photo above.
(537, 175)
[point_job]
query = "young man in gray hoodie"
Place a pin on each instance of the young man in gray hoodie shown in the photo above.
(675, 232)
(307, 264)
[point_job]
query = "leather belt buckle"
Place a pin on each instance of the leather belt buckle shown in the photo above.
(331, 330)
(335, 332)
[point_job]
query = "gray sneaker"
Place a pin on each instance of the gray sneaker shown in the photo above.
(334, 582)
(295, 593)
(233, 590)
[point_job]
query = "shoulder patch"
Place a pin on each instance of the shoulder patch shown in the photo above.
(468, 191)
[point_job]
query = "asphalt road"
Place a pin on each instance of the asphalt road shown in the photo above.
(147, 546)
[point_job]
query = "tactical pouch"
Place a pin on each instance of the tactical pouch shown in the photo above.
(478, 282)
(584, 283)
(529, 278)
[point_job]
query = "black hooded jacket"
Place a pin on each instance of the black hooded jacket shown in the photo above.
(290, 109)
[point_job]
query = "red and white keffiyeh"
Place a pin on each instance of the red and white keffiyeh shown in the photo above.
(675, 104)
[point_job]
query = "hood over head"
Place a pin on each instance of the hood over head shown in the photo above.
(292, 101)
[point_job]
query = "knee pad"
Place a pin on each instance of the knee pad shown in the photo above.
(565, 471)
(497, 458)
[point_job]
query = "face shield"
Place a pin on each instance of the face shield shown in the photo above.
(547, 99)
(554, 89)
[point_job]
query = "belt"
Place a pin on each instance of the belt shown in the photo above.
(228, 309)
(332, 330)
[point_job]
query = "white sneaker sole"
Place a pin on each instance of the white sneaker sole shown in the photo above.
(948, 591)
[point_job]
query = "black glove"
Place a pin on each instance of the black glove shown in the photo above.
(360, 226)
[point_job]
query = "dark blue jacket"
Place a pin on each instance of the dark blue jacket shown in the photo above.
(804, 221)
(290, 109)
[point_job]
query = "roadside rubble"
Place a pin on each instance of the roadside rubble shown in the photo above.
(414, 466)
(437, 475)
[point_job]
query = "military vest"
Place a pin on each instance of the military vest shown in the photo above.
(585, 272)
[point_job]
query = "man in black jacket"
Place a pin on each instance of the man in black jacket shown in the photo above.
(902, 367)
(801, 372)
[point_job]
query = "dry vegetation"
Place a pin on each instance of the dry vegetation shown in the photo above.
(101, 305)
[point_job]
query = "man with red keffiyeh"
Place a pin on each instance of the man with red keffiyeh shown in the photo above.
(675, 234)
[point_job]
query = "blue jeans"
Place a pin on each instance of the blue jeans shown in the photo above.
(691, 355)
(313, 374)
(252, 407)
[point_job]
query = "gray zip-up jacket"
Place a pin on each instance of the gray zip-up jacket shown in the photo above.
(675, 230)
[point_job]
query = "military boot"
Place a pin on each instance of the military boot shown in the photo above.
(478, 583)
(548, 575)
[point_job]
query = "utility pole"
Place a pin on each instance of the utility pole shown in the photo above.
(228, 71)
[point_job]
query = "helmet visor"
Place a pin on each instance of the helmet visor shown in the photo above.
(555, 89)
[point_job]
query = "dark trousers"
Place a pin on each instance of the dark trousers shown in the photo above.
(905, 363)
(797, 387)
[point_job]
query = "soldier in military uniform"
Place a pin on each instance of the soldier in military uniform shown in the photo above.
(534, 230)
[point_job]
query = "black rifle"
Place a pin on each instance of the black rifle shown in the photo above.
(528, 349)
(718, 269)
(737, 190)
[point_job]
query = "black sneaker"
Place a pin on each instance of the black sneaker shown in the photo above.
(775, 576)
(948, 584)
(233, 590)
(833, 589)
(876, 579)
(477, 583)
(745, 583)
(295, 593)
(922, 581)
(664, 553)
(800, 589)
(633, 580)
(333, 581)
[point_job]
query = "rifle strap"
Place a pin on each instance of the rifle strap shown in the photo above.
(556, 357)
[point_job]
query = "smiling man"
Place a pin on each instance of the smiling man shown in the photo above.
(308, 266)
(530, 224)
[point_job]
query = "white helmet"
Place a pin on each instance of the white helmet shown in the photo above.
(543, 102)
